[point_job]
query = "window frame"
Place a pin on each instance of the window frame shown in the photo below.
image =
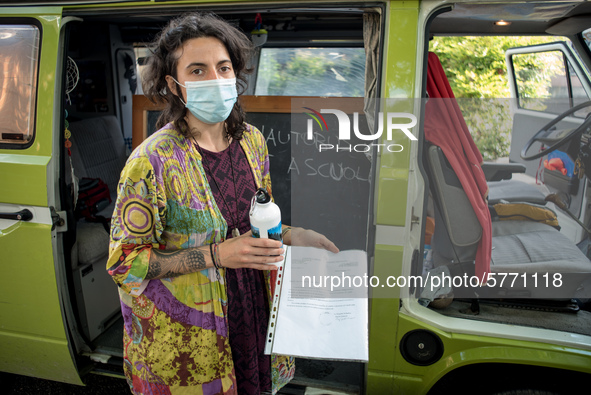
(24, 21)
(347, 45)
(568, 59)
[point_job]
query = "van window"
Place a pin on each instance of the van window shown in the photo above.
(333, 72)
(19, 54)
(547, 82)
(141, 55)
(476, 67)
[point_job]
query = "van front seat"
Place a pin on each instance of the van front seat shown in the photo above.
(521, 247)
(498, 175)
(465, 240)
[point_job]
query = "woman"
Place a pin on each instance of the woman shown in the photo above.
(193, 282)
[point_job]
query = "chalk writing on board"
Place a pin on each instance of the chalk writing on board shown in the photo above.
(275, 137)
(336, 171)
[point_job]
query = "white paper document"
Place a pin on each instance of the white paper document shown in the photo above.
(312, 315)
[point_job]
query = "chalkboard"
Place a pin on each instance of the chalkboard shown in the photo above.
(327, 190)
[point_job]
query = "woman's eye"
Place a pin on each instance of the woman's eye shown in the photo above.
(225, 69)
(197, 71)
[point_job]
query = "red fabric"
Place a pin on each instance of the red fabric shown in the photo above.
(446, 128)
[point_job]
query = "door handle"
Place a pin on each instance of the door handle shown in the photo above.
(23, 215)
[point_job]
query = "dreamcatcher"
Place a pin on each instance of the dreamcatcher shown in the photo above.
(72, 78)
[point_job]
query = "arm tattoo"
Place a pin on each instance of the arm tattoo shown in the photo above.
(175, 263)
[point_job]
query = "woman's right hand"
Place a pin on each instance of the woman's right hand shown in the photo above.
(246, 251)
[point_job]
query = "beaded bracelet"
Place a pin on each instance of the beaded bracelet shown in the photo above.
(216, 256)
(213, 251)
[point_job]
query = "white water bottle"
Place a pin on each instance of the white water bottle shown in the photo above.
(265, 216)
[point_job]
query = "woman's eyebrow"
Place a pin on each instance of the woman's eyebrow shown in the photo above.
(193, 64)
(199, 64)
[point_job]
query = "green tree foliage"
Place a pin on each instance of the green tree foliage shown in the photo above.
(311, 72)
(477, 72)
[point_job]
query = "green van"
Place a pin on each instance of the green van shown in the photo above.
(514, 315)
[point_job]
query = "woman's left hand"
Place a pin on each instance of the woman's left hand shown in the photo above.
(309, 238)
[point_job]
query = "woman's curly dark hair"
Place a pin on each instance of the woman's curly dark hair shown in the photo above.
(163, 62)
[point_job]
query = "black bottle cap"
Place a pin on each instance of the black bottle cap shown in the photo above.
(262, 196)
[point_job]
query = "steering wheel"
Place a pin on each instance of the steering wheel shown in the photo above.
(543, 135)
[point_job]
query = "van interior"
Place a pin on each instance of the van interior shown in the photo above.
(521, 245)
(107, 116)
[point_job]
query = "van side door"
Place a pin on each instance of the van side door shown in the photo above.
(33, 334)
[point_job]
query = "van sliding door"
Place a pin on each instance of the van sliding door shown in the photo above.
(33, 335)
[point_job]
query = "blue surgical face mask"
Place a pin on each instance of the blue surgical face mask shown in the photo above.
(210, 101)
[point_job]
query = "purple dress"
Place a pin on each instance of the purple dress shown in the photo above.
(248, 310)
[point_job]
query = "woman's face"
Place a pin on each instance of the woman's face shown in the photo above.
(201, 59)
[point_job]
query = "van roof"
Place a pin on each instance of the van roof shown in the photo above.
(538, 17)
(466, 17)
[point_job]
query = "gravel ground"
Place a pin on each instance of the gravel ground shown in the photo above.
(95, 385)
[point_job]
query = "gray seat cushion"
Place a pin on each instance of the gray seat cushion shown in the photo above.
(530, 248)
(514, 191)
(522, 246)
(93, 242)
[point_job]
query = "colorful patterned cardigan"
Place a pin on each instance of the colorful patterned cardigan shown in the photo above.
(176, 337)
